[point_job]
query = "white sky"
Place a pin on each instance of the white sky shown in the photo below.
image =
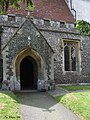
(82, 8)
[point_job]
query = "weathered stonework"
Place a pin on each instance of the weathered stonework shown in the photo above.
(42, 41)
(29, 41)
(54, 37)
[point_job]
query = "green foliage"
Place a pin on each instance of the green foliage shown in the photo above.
(83, 27)
(4, 4)
(78, 102)
(74, 87)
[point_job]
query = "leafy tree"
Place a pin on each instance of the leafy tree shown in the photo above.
(83, 27)
(5, 4)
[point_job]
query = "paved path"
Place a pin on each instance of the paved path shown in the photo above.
(58, 91)
(41, 106)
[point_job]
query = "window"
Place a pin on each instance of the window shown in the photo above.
(71, 52)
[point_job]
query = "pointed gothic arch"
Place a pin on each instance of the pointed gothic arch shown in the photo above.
(32, 59)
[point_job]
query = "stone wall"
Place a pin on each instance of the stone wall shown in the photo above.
(9, 27)
(36, 42)
(54, 37)
(53, 32)
(27, 37)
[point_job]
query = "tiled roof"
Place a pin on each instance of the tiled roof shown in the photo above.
(48, 9)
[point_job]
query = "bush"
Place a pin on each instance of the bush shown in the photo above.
(83, 27)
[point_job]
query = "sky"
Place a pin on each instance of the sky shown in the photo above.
(82, 8)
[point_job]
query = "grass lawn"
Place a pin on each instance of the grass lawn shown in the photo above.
(73, 88)
(78, 102)
(9, 106)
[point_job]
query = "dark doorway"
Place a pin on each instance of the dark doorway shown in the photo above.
(28, 74)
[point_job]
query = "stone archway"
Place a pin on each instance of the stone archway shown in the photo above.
(28, 73)
(35, 64)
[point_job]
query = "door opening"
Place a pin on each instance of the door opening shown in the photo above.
(28, 74)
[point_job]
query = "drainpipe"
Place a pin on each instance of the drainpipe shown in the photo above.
(71, 4)
(74, 12)
(72, 8)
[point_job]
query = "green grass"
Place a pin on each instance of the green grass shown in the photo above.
(73, 88)
(78, 102)
(9, 106)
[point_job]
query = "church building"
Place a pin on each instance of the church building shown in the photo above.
(42, 48)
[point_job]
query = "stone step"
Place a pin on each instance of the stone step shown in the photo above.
(25, 91)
